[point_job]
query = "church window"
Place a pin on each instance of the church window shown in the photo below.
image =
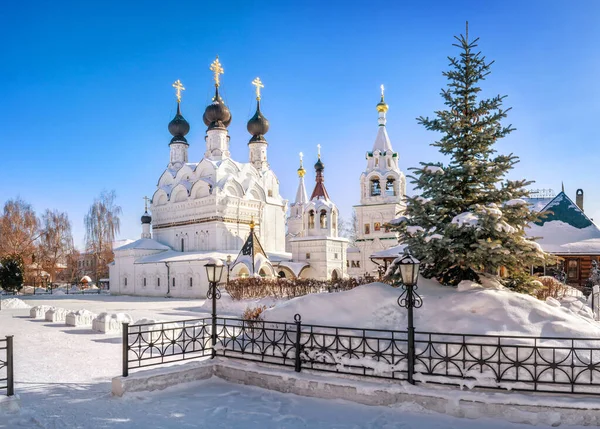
(308, 256)
(191, 282)
(311, 219)
(173, 281)
(335, 256)
(377, 226)
(281, 275)
(353, 264)
(367, 228)
(389, 187)
(347, 263)
(323, 219)
(389, 162)
(270, 193)
(182, 242)
(387, 229)
(126, 281)
(376, 162)
(357, 264)
(375, 187)
(144, 281)
(158, 282)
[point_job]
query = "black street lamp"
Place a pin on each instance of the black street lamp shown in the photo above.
(214, 271)
(407, 267)
(228, 267)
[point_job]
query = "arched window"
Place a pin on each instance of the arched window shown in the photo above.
(376, 162)
(191, 282)
(144, 281)
(311, 219)
(281, 275)
(173, 281)
(323, 219)
(389, 162)
(389, 187)
(375, 187)
(182, 244)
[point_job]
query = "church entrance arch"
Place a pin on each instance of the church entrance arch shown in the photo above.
(335, 275)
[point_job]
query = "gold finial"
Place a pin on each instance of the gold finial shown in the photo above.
(217, 70)
(178, 88)
(319, 150)
(146, 199)
(301, 170)
(382, 107)
(252, 223)
(258, 84)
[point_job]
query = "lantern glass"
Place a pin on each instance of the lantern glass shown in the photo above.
(214, 272)
(409, 270)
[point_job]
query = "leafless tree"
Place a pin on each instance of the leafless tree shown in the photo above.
(56, 240)
(348, 228)
(102, 224)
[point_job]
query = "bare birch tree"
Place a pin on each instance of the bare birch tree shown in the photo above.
(56, 240)
(102, 224)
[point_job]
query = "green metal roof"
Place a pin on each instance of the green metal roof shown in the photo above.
(562, 208)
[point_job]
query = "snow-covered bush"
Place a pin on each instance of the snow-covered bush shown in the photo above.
(257, 287)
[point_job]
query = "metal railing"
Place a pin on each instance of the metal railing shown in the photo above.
(543, 364)
(7, 381)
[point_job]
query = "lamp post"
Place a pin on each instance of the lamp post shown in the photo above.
(214, 271)
(228, 267)
(407, 266)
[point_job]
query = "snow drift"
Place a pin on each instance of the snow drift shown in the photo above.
(110, 322)
(39, 311)
(14, 303)
(80, 318)
(472, 309)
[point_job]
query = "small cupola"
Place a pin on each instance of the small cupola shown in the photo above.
(217, 114)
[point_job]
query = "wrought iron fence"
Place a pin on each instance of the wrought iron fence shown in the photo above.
(544, 364)
(6, 366)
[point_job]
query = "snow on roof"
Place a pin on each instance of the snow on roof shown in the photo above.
(562, 208)
(353, 250)
(294, 267)
(392, 252)
(143, 244)
(174, 256)
(561, 238)
(382, 141)
(537, 204)
(279, 256)
(120, 243)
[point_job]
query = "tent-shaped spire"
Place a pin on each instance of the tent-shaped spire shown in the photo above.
(301, 196)
(319, 191)
(382, 141)
(251, 250)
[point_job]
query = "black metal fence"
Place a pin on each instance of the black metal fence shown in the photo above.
(545, 364)
(7, 381)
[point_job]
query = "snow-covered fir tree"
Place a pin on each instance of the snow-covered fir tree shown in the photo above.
(468, 218)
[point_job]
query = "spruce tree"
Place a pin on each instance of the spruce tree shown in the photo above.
(11, 273)
(469, 218)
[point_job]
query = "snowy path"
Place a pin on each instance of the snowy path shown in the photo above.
(215, 404)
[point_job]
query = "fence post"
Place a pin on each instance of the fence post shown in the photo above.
(297, 361)
(125, 349)
(10, 378)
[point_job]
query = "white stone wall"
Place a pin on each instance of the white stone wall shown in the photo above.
(324, 254)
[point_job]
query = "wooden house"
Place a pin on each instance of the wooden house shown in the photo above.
(566, 232)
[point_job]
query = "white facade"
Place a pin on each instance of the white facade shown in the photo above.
(382, 192)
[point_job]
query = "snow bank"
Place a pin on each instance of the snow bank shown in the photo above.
(110, 322)
(156, 331)
(14, 303)
(39, 311)
(80, 318)
(228, 306)
(470, 309)
(56, 314)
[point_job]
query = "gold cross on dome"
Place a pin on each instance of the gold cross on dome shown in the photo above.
(319, 150)
(301, 156)
(217, 70)
(258, 84)
(382, 89)
(146, 199)
(178, 88)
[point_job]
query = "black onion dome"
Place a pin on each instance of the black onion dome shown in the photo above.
(258, 125)
(319, 166)
(217, 114)
(179, 127)
(146, 218)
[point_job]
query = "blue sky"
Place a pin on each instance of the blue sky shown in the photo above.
(86, 89)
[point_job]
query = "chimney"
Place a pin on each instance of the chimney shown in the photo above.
(579, 199)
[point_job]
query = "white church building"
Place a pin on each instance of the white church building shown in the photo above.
(233, 211)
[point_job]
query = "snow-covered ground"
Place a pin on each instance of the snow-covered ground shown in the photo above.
(63, 372)
(216, 404)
